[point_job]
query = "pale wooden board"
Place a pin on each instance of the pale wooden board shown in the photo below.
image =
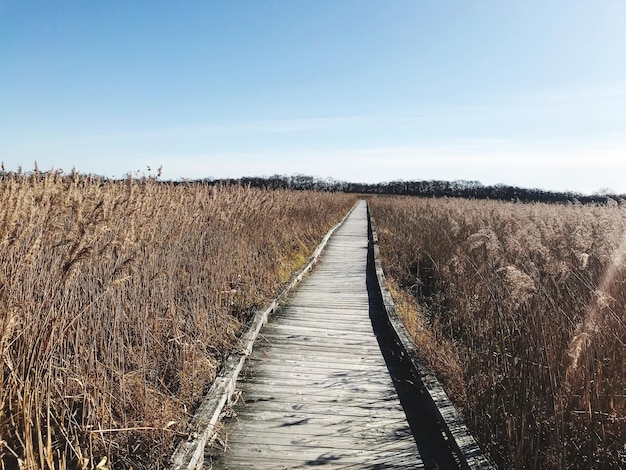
(325, 332)
(288, 405)
(264, 427)
(316, 390)
(302, 340)
(289, 457)
(258, 459)
(314, 321)
(320, 354)
(258, 436)
(318, 350)
(284, 362)
(354, 402)
(342, 372)
(347, 401)
(321, 388)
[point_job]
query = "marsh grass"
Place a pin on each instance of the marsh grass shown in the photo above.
(118, 301)
(521, 311)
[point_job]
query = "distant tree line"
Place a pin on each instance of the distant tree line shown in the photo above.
(431, 188)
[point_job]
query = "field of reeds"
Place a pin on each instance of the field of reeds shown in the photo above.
(119, 300)
(521, 311)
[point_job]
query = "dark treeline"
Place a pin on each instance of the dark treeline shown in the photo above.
(433, 188)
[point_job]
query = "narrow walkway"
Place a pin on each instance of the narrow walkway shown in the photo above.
(316, 391)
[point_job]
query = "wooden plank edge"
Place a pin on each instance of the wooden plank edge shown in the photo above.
(468, 450)
(189, 454)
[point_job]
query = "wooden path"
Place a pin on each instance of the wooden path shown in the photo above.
(316, 391)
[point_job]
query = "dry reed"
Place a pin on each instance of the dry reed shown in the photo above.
(118, 301)
(522, 313)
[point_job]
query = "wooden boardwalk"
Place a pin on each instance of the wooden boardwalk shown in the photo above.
(316, 391)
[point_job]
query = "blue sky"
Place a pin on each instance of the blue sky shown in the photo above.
(529, 93)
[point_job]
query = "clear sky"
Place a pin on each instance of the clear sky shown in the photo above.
(529, 92)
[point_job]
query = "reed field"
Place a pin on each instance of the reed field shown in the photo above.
(520, 310)
(119, 300)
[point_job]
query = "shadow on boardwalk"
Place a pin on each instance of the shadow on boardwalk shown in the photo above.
(432, 444)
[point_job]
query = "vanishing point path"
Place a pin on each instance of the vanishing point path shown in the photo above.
(316, 391)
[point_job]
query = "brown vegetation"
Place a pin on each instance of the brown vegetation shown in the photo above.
(119, 299)
(522, 314)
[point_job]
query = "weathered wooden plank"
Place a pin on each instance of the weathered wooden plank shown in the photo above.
(264, 425)
(257, 462)
(288, 405)
(347, 404)
(342, 323)
(327, 462)
(288, 438)
(320, 353)
(283, 363)
(311, 453)
(286, 362)
(289, 378)
(312, 325)
(311, 332)
(341, 395)
(277, 458)
(331, 341)
(283, 422)
(314, 311)
(277, 372)
(304, 343)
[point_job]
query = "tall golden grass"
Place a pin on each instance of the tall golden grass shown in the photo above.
(521, 310)
(118, 301)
